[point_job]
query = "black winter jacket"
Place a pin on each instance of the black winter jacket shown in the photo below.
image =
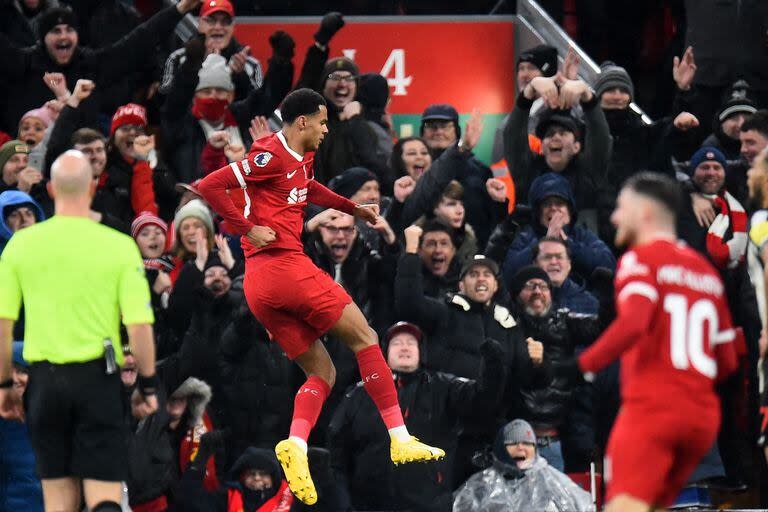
(434, 406)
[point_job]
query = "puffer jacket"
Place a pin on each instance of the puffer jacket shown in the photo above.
(560, 331)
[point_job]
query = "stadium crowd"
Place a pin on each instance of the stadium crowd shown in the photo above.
(476, 299)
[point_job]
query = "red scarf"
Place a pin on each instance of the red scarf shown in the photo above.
(212, 110)
(728, 253)
(280, 502)
(189, 446)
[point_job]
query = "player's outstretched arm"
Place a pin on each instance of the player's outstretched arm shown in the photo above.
(214, 188)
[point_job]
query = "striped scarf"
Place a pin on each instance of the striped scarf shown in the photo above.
(728, 253)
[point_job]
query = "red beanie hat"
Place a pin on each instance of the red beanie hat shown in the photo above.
(147, 219)
(131, 113)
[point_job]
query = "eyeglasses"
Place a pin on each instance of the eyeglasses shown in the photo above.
(438, 125)
(348, 231)
(224, 20)
(532, 286)
(335, 77)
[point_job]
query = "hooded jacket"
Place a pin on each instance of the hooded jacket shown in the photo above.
(13, 198)
(587, 251)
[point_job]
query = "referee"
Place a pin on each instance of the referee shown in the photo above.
(77, 280)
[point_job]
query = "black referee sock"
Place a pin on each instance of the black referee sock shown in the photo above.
(107, 506)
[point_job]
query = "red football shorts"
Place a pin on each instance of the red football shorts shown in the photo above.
(296, 301)
(653, 450)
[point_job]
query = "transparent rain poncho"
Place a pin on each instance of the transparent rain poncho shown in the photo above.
(504, 488)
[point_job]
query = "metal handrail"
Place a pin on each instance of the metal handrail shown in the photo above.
(532, 17)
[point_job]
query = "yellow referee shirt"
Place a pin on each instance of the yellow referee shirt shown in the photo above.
(78, 279)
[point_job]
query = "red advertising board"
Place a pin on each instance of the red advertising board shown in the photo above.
(467, 62)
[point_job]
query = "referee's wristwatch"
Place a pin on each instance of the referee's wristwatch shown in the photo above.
(7, 383)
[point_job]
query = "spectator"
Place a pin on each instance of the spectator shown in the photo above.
(635, 144)
(553, 213)
(350, 141)
(724, 243)
(433, 253)
(520, 479)
(337, 248)
(362, 186)
(216, 28)
(16, 172)
(201, 105)
(540, 60)
(189, 421)
(561, 148)
(434, 404)
(58, 51)
(449, 210)
(548, 409)
(17, 211)
(15, 23)
(193, 227)
(150, 233)
(457, 325)
(754, 136)
(373, 96)
(420, 186)
(553, 255)
(131, 177)
(256, 483)
(441, 131)
(19, 486)
(151, 467)
(33, 125)
(726, 126)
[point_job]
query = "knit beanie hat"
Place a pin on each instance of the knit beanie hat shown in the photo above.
(42, 113)
(373, 91)
(612, 76)
(147, 219)
(11, 148)
(524, 275)
(215, 73)
(52, 17)
(351, 180)
(543, 57)
(518, 431)
(132, 113)
(706, 154)
(195, 208)
(736, 101)
(339, 64)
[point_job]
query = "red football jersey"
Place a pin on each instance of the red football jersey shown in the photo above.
(278, 183)
(686, 342)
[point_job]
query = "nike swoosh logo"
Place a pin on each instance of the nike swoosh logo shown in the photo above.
(290, 174)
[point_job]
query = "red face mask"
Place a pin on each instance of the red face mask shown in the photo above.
(210, 109)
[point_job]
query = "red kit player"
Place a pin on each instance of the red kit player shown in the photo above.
(674, 335)
(289, 295)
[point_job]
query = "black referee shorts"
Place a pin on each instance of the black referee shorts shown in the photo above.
(75, 416)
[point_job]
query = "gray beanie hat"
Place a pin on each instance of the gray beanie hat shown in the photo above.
(519, 431)
(195, 208)
(612, 76)
(215, 73)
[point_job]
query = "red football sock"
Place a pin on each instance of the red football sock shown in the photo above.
(378, 382)
(307, 405)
